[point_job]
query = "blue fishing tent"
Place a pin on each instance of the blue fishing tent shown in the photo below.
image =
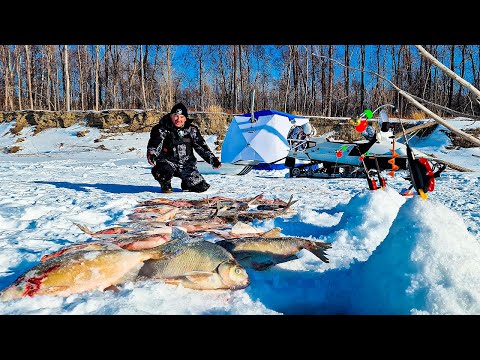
(259, 141)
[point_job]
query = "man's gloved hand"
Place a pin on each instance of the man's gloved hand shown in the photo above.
(216, 164)
(152, 156)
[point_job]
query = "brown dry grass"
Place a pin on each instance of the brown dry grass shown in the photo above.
(417, 115)
(20, 123)
(13, 149)
(82, 133)
(458, 141)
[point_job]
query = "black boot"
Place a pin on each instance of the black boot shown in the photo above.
(184, 186)
(166, 186)
(200, 187)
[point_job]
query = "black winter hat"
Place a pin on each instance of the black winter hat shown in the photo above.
(179, 109)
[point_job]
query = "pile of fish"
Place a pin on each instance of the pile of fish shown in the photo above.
(201, 244)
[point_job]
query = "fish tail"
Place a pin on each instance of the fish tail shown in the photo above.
(252, 201)
(289, 204)
(272, 233)
(84, 229)
(318, 248)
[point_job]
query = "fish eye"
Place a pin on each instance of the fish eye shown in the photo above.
(238, 270)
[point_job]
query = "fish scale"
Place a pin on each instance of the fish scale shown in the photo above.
(78, 272)
(186, 258)
(261, 253)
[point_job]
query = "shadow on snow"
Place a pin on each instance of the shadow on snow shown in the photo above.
(111, 188)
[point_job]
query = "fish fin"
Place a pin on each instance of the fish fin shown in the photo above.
(102, 246)
(273, 233)
(157, 253)
(178, 233)
(293, 202)
(84, 229)
(172, 281)
(289, 204)
(197, 276)
(219, 209)
(318, 249)
(10, 293)
(243, 228)
(262, 265)
(113, 288)
(289, 201)
(252, 201)
(191, 278)
(215, 213)
(222, 233)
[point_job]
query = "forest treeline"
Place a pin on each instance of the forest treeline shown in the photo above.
(313, 80)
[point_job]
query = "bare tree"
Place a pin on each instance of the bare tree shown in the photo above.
(6, 77)
(169, 77)
(362, 77)
(80, 75)
(142, 75)
(29, 75)
(97, 75)
(330, 82)
(449, 72)
(67, 80)
(289, 69)
(18, 67)
(346, 77)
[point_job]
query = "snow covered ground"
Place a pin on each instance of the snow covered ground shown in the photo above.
(389, 255)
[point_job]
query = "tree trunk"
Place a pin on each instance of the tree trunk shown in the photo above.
(67, 80)
(97, 70)
(450, 73)
(313, 82)
(142, 79)
(234, 85)
(289, 67)
(19, 76)
(80, 77)
(346, 76)
(241, 76)
(7, 77)
(452, 68)
(29, 74)
(49, 77)
(330, 81)
(11, 67)
(362, 77)
(169, 78)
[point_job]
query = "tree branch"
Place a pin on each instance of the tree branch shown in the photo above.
(413, 101)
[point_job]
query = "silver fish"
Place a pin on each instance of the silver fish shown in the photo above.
(261, 253)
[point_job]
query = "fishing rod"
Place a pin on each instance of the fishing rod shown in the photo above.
(421, 174)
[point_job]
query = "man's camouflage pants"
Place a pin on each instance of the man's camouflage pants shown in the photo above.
(192, 180)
